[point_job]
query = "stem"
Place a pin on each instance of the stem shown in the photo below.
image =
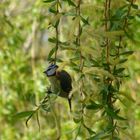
(79, 128)
(57, 33)
(110, 104)
(45, 99)
(128, 12)
(81, 65)
(107, 17)
(78, 40)
(57, 122)
(57, 44)
(125, 24)
(109, 82)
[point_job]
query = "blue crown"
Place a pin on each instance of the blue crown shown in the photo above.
(51, 70)
(52, 66)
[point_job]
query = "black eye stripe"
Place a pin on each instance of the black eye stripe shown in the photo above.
(48, 69)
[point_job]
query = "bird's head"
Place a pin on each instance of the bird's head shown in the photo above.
(51, 70)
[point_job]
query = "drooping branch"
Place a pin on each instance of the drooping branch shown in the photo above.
(57, 32)
(107, 18)
(125, 25)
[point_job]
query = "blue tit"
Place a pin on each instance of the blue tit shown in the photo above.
(61, 82)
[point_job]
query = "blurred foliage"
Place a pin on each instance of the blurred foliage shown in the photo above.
(28, 39)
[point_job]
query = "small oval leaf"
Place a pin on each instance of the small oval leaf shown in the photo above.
(23, 114)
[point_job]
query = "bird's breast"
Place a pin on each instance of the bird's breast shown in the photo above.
(55, 84)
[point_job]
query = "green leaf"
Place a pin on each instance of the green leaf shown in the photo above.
(95, 63)
(85, 21)
(76, 120)
(29, 117)
(93, 106)
(60, 60)
(111, 112)
(69, 14)
(123, 61)
(23, 114)
(51, 53)
(76, 69)
(52, 10)
(138, 15)
(116, 138)
(71, 3)
(99, 136)
(130, 17)
(46, 107)
(116, 71)
(52, 40)
(135, 6)
(48, 1)
(91, 132)
(104, 92)
(64, 43)
(120, 12)
(127, 53)
(57, 23)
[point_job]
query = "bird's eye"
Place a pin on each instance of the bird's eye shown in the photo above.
(48, 69)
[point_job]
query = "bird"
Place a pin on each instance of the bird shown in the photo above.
(61, 82)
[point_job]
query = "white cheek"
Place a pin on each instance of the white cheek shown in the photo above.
(51, 72)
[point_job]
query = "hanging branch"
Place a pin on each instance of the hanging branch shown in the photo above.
(107, 17)
(78, 44)
(125, 24)
(57, 32)
(81, 66)
(109, 81)
(55, 10)
(44, 103)
(110, 109)
(78, 40)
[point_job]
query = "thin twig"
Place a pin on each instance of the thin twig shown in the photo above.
(125, 24)
(57, 33)
(107, 16)
(81, 65)
(109, 82)
(45, 99)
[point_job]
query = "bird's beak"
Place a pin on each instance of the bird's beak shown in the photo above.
(44, 71)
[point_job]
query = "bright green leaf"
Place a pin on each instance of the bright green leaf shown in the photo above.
(22, 114)
(85, 21)
(48, 1)
(51, 53)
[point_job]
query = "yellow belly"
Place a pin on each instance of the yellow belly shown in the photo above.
(55, 85)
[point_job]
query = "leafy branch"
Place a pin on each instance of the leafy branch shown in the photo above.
(29, 114)
(55, 10)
